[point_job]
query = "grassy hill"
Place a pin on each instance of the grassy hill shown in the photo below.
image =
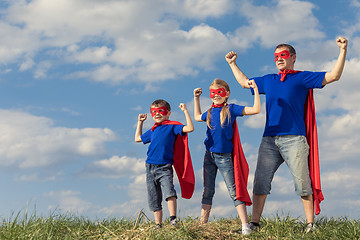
(65, 226)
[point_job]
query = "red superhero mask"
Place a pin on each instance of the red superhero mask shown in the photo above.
(162, 110)
(283, 54)
(220, 91)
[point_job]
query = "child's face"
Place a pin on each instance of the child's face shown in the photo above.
(218, 94)
(159, 113)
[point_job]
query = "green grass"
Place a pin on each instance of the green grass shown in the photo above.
(67, 226)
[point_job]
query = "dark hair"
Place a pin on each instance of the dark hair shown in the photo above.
(288, 46)
(160, 103)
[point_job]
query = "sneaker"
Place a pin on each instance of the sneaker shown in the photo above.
(254, 226)
(174, 222)
(157, 227)
(310, 227)
(246, 231)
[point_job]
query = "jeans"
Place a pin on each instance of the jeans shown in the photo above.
(159, 179)
(223, 162)
(273, 151)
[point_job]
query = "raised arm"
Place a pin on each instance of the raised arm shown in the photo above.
(197, 108)
(242, 79)
(256, 108)
(337, 70)
(138, 133)
(189, 127)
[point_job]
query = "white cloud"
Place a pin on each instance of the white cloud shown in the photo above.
(258, 120)
(287, 21)
(115, 167)
(125, 46)
(68, 201)
(30, 141)
(204, 8)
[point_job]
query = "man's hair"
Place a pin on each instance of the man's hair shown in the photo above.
(160, 103)
(288, 46)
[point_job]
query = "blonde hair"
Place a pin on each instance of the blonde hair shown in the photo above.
(225, 113)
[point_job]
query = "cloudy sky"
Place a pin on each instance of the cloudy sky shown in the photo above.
(74, 75)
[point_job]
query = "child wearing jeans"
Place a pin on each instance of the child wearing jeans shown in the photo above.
(221, 141)
(160, 158)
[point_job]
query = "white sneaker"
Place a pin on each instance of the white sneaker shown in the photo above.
(310, 227)
(246, 231)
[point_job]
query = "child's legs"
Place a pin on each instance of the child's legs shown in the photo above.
(165, 177)
(225, 165)
(158, 216)
(241, 210)
(209, 175)
(153, 188)
(172, 205)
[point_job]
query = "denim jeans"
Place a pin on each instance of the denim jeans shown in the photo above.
(223, 162)
(273, 151)
(159, 179)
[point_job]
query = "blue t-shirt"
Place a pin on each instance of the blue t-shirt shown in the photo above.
(218, 139)
(285, 101)
(162, 140)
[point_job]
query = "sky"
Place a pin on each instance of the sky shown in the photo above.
(74, 75)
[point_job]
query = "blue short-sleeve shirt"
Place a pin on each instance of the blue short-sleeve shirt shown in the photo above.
(285, 101)
(162, 140)
(218, 139)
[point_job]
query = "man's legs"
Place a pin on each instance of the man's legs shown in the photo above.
(296, 157)
(258, 207)
(205, 213)
(269, 160)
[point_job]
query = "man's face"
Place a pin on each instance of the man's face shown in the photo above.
(283, 58)
(159, 113)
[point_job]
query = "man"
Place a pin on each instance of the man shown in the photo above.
(284, 138)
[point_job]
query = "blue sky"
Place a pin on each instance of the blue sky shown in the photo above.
(74, 75)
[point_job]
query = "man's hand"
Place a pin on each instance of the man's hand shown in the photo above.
(342, 42)
(142, 117)
(231, 57)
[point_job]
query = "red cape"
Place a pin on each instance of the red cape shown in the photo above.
(241, 168)
(182, 163)
(311, 135)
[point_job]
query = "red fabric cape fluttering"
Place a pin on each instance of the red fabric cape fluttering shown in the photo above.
(182, 162)
(311, 135)
(241, 168)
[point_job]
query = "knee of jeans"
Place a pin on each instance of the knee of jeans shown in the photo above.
(261, 188)
(303, 190)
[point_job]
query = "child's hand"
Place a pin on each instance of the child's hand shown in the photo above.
(142, 117)
(182, 106)
(197, 92)
(252, 84)
(231, 57)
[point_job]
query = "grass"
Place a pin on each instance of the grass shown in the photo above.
(66, 226)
